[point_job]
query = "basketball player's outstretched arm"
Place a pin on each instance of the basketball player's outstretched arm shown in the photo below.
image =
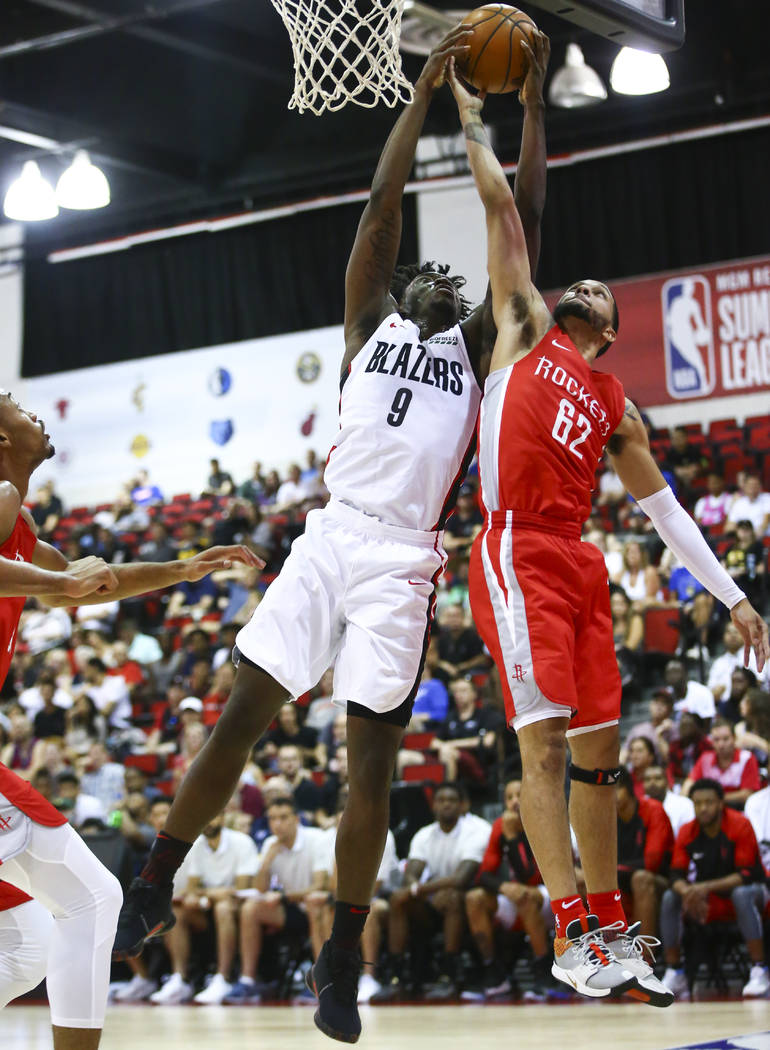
(519, 312)
(629, 451)
(375, 250)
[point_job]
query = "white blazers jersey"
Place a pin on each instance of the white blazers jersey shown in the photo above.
(408, 412)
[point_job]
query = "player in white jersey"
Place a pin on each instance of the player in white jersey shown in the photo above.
(358, 587)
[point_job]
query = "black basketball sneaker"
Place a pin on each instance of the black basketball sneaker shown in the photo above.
(146, 913)
(334, 980)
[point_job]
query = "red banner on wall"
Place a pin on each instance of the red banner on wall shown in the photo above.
(693, 334)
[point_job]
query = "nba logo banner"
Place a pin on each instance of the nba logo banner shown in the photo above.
(688, 337)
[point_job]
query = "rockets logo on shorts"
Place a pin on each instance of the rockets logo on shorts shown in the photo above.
(688, 337)
(518, 674)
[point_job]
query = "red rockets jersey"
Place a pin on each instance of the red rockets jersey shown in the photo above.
(544, 423)
(19, 546)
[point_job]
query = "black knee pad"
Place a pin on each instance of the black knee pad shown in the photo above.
(597, 777)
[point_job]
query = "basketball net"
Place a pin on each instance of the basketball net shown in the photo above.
(345, 51)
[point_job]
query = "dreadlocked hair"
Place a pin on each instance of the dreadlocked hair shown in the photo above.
(404, 275)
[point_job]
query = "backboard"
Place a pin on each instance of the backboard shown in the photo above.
(652, 25)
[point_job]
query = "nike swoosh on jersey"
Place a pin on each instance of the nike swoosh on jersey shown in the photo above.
(567, 348)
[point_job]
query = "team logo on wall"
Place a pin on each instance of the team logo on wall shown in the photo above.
(308, 367)
(137, 396)
(307, 424)
(688, 337)
(221, 430)
(62, 407)
(219, 382)
(140, 446)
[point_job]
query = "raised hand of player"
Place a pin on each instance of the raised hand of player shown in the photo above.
(434, 71)
(531, 91)
(753, 631)
(468, 103)
(216, 558)
(89, 575)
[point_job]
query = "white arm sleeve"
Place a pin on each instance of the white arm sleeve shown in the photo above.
(679, 532)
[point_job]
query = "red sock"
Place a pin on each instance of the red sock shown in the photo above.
(607, 908)
(565, 909)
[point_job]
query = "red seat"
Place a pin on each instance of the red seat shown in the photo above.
(431, 771)
(417, 741)
(181, 497)
(661, 630)
(718, 426)
(166, 787)
(151, 764)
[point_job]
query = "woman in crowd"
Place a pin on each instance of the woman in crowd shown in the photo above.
(641, 755)
(639, 579)
(753, 731)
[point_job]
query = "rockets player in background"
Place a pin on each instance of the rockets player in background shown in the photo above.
(539, 595)
(40, 854)
(358, 587)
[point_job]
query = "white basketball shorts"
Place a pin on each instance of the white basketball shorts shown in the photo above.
(356, 593)
(507, 913)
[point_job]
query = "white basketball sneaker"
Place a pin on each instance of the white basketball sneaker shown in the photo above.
(175, 990)
(583, 961)
(137, 989)
(629, 948)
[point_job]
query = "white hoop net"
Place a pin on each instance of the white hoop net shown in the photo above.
(345, 51)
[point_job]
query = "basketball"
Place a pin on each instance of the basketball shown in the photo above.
(496, 61)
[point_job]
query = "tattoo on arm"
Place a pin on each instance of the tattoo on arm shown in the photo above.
(630, 412)
(476, 132)
(379, 266)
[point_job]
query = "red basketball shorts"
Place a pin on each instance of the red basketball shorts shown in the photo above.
(541, 603)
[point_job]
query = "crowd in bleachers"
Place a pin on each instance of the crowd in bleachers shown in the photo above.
(106, 706)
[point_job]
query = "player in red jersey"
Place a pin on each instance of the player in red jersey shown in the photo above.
(540, 597)
(40, 853)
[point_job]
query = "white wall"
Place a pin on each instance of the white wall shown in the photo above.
(11, 290)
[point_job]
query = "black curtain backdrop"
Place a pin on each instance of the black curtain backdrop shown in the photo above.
(674, 206)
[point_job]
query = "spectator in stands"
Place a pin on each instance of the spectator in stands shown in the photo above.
(222, 683)
(192, 737)
(689, 695)
(132, 817)
(443, 860)
(196, 646)
(715, 878)
(144, 493)
(610, 547)
(85, 726)
(251, 488)
(659, 729)
(684, 461)
(735, 769)
(745, 561)
(711, 509)
(628, 631)
(757, 812)
(431, 704)
(270, 487)
(41, 629)
(335, 734)
(679, 809)
(641, 755)
(645, 845)
(158, 545)
(104, 779)
(639, 579)
(335, 786)
(193, 599)
(612, 491)
(164, 735)
(306, 795)
(685, 749)
(220, 863)
(219, 482)
(312, 470)
(321, 710)
(510, 894)
(701, 625)
(169, 666)
(50, 720)
(750, 504)
(109, 693)
(46, 510)
(753, 732)
(79, 806)
(741, 680)
(465, 524)
(292, 493)
(467, 742)
(290, 730)
(273, 788)
(142, 648)
(32, 698)
(17, 753)
(292, 864)
(223, 646)
(720, 674)
(460, 648)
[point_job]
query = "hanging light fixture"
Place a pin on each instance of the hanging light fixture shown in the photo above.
(30, 198)
(82, 186)
(576, 84)
(638, 72)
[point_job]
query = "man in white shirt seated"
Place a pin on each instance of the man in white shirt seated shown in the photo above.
(679, 809)
(751, 504)
(103, 778)
(443, 860)
(109, 693)
(690, 695)
(293, 865)
(32, 701)
(720, 675)
(220, 864)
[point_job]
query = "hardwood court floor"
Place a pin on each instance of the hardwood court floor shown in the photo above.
(582, 1026)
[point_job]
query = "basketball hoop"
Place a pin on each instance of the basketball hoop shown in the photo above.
(345, 51)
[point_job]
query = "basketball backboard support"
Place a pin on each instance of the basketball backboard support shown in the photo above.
(652, 25)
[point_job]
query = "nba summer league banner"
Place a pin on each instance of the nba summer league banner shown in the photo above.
(694, 334)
